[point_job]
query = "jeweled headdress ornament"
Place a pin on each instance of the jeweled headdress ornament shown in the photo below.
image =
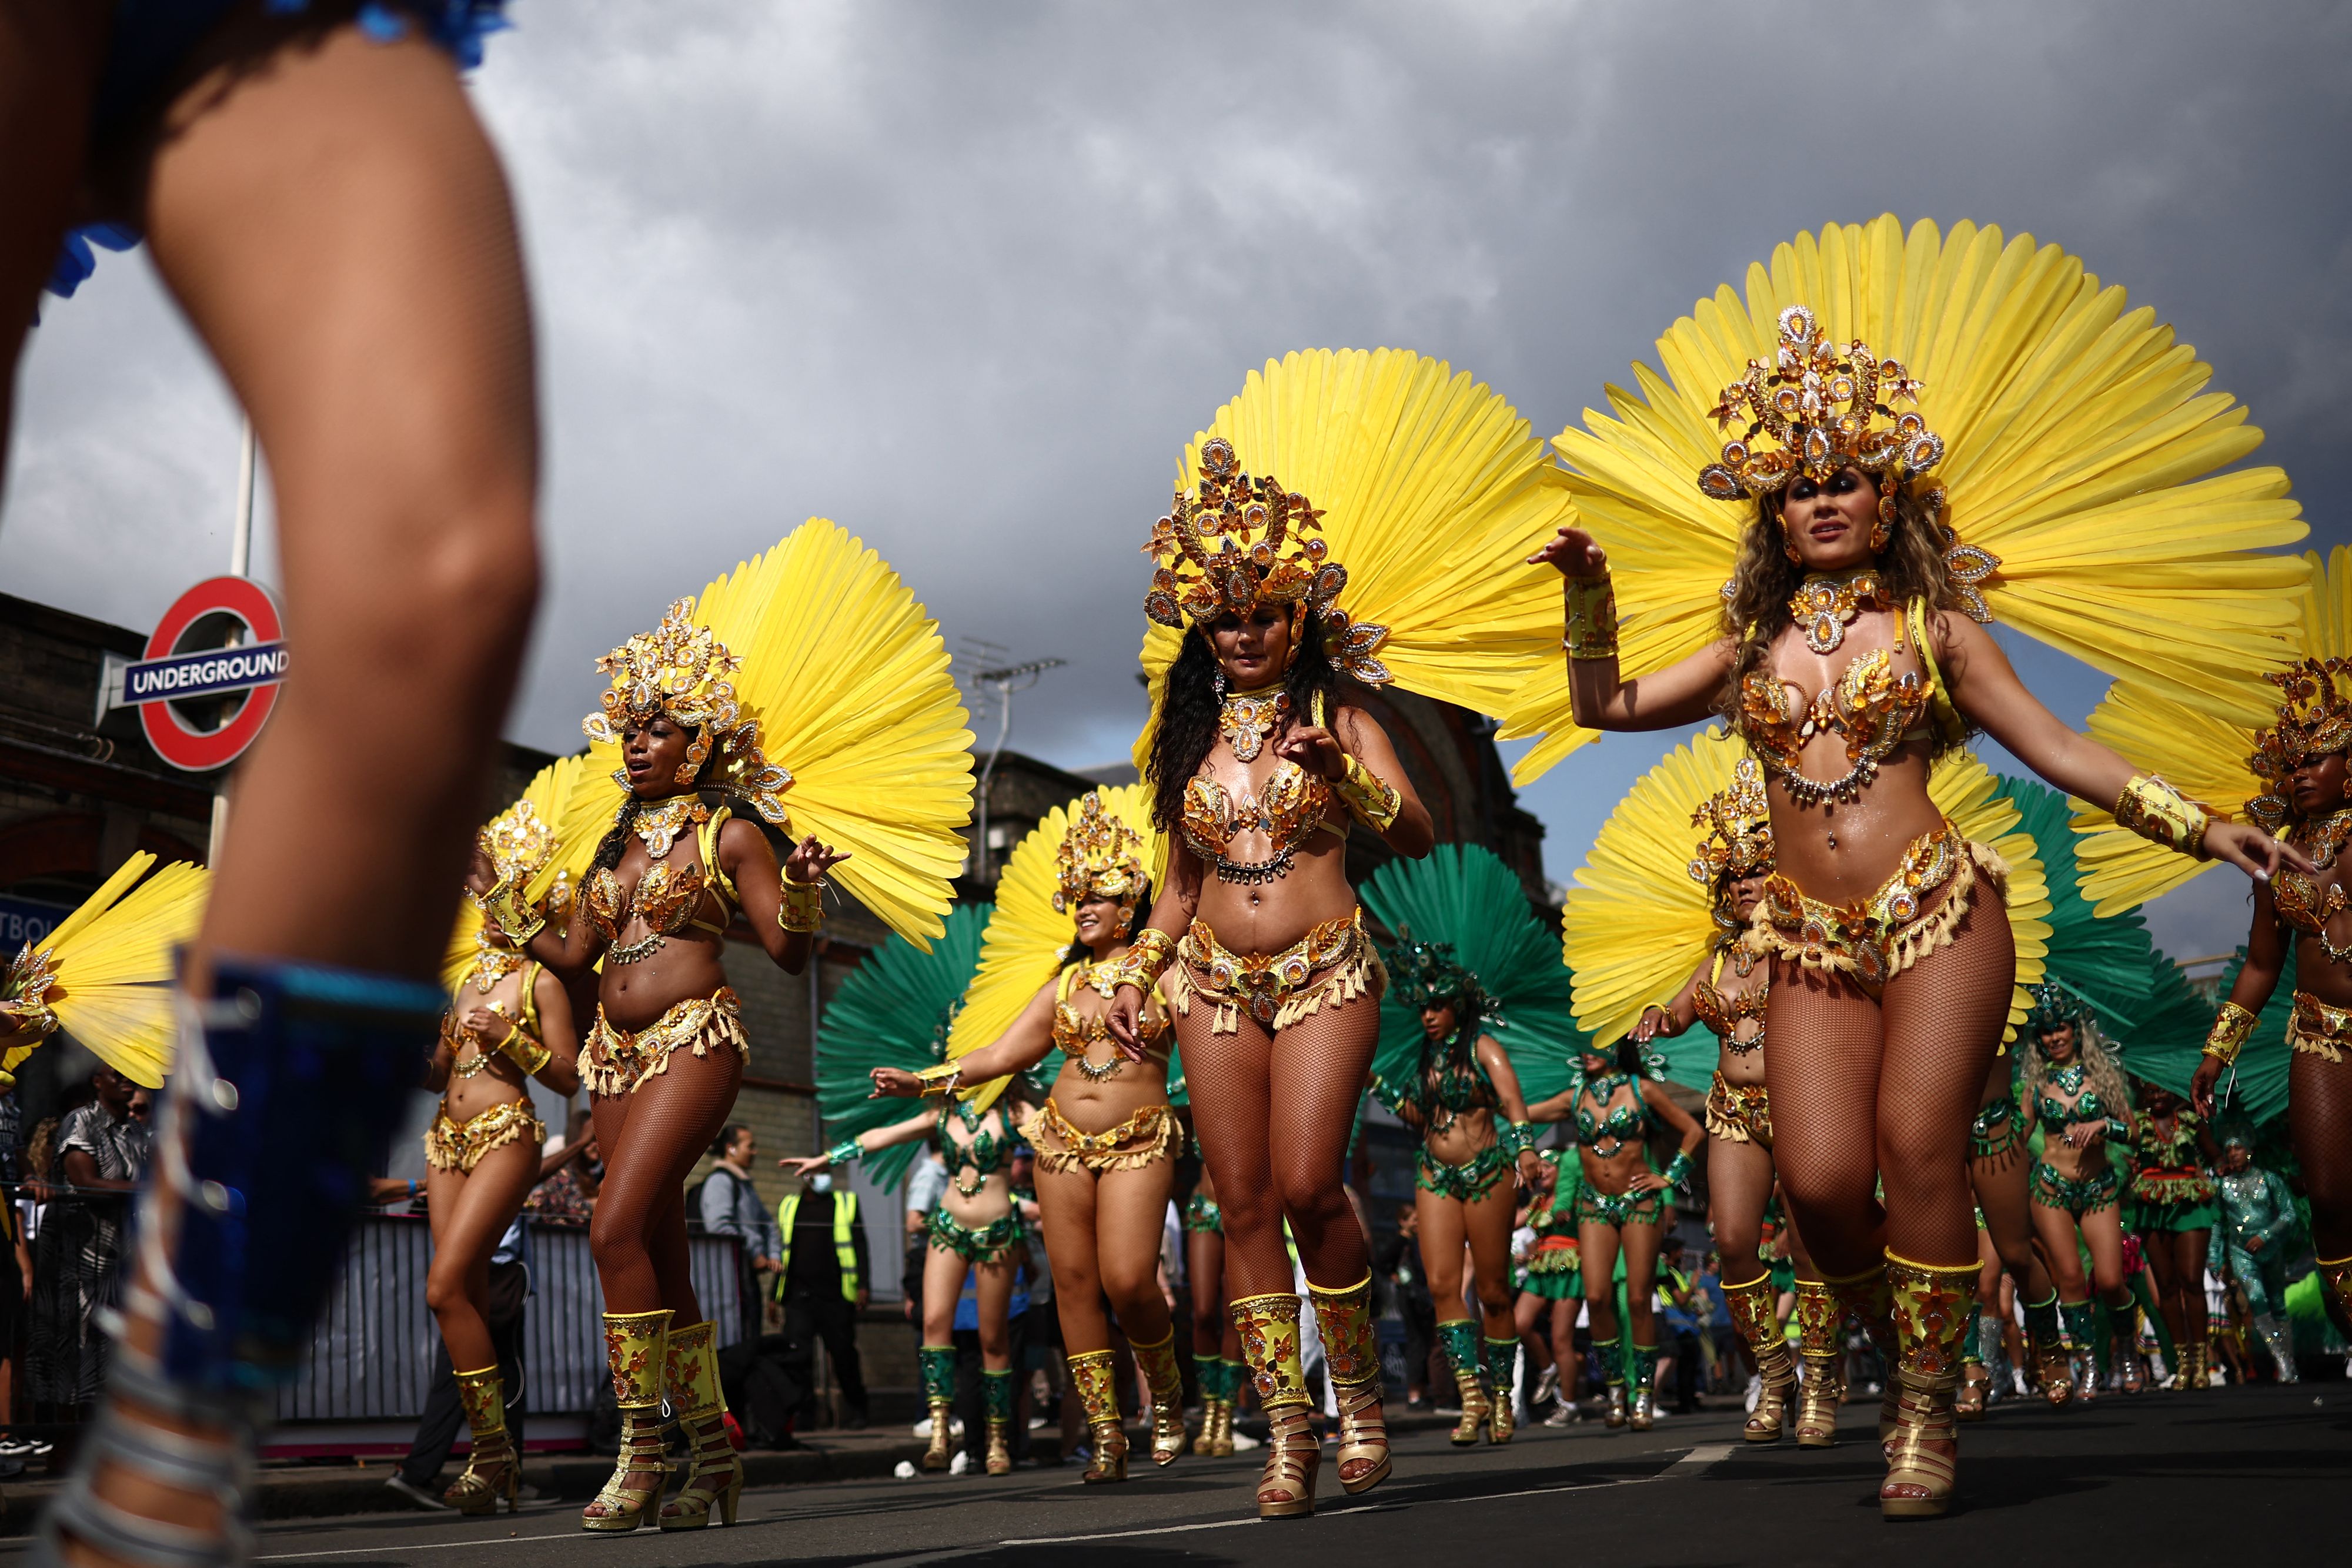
(1422, 972)
(2315, 718)
(1248, 540)
(1821, 404)
(1100, 857)
(1739, 823)
(2054, 1004)
(679, 670)
(517, 842)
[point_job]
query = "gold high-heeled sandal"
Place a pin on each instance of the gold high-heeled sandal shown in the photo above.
(1923, 1455)
(1093, 1374)
(1776, 1371)
(1968, 1404)
(1352, 1357)
(492, 1467)
(1363, 1438)
(637, 1354)
(714, 1470)
(1285, 1488)
(1166, 1381)
(1476, 1409)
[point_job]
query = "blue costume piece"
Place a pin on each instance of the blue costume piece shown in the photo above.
(151, 39)
(280, 1108)
(2258, 1220)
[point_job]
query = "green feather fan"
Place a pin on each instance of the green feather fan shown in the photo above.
(2103, 961)
(893, 1011)
(1465, 896)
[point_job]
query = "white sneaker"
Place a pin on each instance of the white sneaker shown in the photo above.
(961, 1463)
(1755, 1390)
(1243, 1443)
(415, 1494)
(923, 1427)
(1545, 1385)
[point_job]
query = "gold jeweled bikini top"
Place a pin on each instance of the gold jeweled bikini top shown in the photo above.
(1074, 1034)
(666, 898)
(1871, 706)
(486, 976)
(1723, 1015)
(1289, 808)
(2300, 900)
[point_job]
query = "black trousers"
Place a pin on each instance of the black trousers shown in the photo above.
(811, 1316)
(445, 1416)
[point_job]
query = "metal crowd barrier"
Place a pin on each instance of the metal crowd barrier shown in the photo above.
(371, 1355)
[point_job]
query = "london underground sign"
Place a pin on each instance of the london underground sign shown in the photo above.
(254, 664)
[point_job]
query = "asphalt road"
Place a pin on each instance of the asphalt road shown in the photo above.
(2165, 1477)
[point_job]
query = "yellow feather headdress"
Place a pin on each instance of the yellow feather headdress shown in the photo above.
(2082, 446)
(1634, 930)
(2234, 769)
(546, 838)
(1428, 490)
(105, 975)
(1026, 937)
(844, 677)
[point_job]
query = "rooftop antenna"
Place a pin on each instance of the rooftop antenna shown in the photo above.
(1000, 679)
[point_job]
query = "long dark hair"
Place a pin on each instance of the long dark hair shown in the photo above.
(1188, 711)
(1756, 602)
(1461, 1045)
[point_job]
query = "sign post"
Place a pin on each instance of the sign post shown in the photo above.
(254, 662)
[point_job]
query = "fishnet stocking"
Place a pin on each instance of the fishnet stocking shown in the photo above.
(1273, 1114)
(2176, 1260)
(1999, 1185)
(1738, 1185)
(2319, 1124)
(1867, 1094)
(652, 1140)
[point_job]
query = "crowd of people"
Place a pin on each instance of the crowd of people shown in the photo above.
(1767, 533)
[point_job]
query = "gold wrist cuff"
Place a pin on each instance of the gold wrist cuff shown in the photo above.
(2229, 1034)
(524, 1050)
(511, 912)
(2162, 815)
(1591, 618)
(803, 909)
(1367, 799)
(939, 1082)
(1141, 964)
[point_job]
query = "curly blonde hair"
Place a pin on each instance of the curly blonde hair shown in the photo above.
(2104, 1077)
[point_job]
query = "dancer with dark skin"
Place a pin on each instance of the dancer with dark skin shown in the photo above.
(1618, 1209)
(2172, 1148)
(654, 1132)
(1273, 1107)
(326, 211)
(473, 1195)
(1872, 1090)
(1477, 1229)
(2318, 790)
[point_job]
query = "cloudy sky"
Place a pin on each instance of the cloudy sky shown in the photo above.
(965, 276)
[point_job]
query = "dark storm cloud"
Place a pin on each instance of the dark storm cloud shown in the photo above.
(966, 276)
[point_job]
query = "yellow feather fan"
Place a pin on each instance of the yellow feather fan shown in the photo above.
(2076, 430)
(105, 975)
(579, 818)
(1636, 925)
(2205, 757)
(1027, 936)
(848, 679)
(1433, 492)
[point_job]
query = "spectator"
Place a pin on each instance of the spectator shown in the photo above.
(925, 1182)
(142, 1109)
(732, 1206)
(826, 1268)
(102, 1153)
(569, 1175)
(1398, 1261)
(1679, 1353)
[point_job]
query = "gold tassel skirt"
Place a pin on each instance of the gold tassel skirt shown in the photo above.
(617, 1061)
(1333, 965)
(451, 1146)
(1871, 941)
(1149, 1135)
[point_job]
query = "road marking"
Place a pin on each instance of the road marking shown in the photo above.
(1172, 1529)
(419, 1546)
(1694, 1463)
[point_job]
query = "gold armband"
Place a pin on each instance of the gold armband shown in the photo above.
(1591, 618)
(939, 1082)
(2227, 1035)
(803, 909)
(524, 1050)
(1367, 799)
(509, 909)
(2162, 815)
(1141, 964)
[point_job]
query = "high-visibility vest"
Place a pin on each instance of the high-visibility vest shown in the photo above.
(844, 1246)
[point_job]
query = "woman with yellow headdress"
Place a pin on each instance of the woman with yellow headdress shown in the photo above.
(1106, 1139)
(1336, 530)
(810, 688)
(509, 1020)
(1848, 649)
(2293, 776)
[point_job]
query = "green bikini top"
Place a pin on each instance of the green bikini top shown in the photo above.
(1453, 1081)
(2072, 1079)
(1621, 1124)
(986, 1153)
